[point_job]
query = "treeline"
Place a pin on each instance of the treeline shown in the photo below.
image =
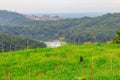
(12, 43)
(96, 29)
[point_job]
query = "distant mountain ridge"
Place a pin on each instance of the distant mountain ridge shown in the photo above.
(76, 30)
(11, 18)
(70, 15)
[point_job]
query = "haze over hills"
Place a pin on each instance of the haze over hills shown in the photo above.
(78, 30)
(44, 18)
(60, 40)
(11, 18)
(71, 15)
(10, 42)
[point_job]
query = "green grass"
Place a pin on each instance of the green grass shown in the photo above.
(62, 63)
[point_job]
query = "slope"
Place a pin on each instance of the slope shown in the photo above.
(62, 63)
(11, 18)
(11, 43)
(78, 30)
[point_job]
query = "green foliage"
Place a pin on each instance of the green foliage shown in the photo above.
(10, 43)
(117, 37)
(62, 63)
(81, 78)
(97, 29)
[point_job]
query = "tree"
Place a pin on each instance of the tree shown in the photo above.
(117, 37)
(61, 38)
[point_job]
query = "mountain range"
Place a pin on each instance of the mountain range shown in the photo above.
(75, 30)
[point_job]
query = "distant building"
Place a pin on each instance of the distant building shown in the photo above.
(54, 43)
(44, 18)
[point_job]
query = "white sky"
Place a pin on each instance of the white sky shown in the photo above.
(60, 6)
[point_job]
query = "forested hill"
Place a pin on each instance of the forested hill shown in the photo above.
(11, 18)
(11, 43)
(96, 29)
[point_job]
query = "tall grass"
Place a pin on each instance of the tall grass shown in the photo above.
(101, 62)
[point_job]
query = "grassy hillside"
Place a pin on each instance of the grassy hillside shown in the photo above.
(62, 63)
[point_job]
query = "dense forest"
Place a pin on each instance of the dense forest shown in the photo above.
(78, 30)
(11, 43)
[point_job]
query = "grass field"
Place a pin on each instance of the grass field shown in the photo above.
(100, 62)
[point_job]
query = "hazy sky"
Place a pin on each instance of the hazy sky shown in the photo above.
(60, 6)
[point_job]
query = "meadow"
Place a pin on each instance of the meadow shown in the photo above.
(100, 62)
